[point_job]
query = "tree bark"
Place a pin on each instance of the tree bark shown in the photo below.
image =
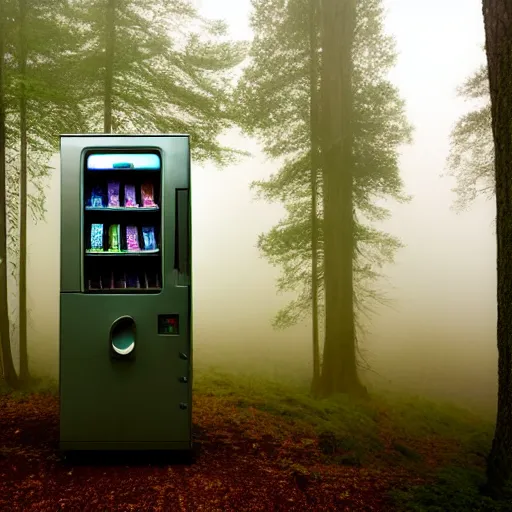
(24, 371)
(9, 371)
(498, 32)
(313, 89)
(110, 39)
(339, 371)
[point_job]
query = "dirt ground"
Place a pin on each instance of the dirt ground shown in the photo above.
(247, 460)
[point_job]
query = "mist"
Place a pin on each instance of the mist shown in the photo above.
(437, 336)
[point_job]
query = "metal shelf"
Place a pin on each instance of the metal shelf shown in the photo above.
(154, 252)
(123, 209)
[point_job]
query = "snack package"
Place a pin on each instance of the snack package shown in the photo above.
(147, 195)
(113, 194)
(97, 197)
(114, 238)
(132, 238)
(148, 234)
(97, 237)
(129, 196)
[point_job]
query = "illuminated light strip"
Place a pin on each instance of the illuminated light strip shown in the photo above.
(138, 161)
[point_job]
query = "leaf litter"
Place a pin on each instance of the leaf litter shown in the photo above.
(247, 460)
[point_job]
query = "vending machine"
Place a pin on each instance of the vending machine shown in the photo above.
(125, 293)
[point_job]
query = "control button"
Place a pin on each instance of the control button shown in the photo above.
(183, 356)
(183, 405)
(183, 379)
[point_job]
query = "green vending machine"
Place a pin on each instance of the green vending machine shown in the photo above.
(125, 293)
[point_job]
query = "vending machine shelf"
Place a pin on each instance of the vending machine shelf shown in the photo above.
(91, 252)
(122, 209)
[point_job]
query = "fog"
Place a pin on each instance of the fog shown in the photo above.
(438, 336)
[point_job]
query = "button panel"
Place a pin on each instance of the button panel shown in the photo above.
(168, 324)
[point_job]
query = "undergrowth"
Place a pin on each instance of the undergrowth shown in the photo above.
(348, 432)
(389, 429)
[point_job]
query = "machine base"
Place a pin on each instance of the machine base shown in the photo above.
(129, 457)
(66, 446)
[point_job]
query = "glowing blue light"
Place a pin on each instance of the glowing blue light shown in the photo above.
(124, 161)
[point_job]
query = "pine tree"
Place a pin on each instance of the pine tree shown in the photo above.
(156, 67)
(274, 94)
(314, 163)
(9, 372)
(471, 159)
(40, 106)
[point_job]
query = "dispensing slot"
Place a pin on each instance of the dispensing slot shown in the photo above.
(122, 336)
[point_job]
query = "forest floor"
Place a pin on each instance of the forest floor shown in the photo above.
(262, 446)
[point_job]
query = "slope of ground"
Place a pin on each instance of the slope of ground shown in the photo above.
(262, 446)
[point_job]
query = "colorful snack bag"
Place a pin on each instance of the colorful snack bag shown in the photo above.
(113, 194)
(97, 237)
(129, 196)
(97, 197)
(148, 234)
(114, 238)
(132, 238)
(147, 194)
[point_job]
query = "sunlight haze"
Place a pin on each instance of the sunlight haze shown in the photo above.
(440, 328)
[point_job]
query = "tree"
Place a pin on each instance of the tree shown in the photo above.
(274, 95)
(314, 109)
(40, 103)
(22, 292)
(498, 36)
(9, 372)
(144, 68)
(471, 159)
(338, 22)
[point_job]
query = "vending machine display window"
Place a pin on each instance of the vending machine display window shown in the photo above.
(122, 222)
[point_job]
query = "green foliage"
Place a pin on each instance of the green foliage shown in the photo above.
(51, 108)
(274, 102)
(455, 490)
(471, 158)
(171, 71)
(349, 429)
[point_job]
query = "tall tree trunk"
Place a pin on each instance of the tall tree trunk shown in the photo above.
(339, 371)
(313, 126)
(110, 35)
(24, 372)
(498, 31)
(5, 336)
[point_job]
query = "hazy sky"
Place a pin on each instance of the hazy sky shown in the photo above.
(443, 283)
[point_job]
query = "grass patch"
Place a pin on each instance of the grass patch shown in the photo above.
(39, 385)
(349, 430)
(351, 426)
(348, 434)
(455, 490)
(407, 452)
